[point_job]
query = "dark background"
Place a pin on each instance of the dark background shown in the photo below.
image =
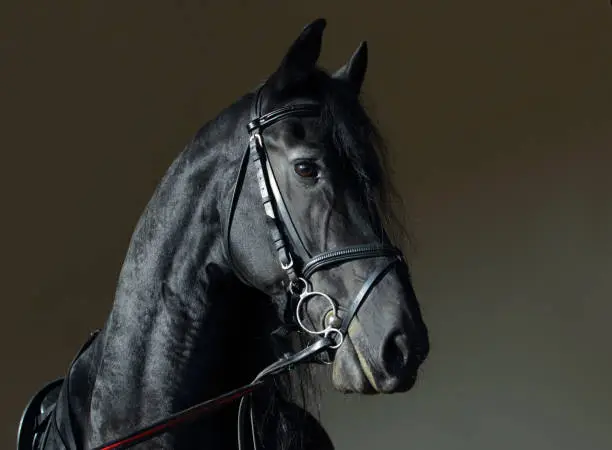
(499, 115)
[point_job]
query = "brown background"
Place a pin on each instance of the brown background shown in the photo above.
(500, 118)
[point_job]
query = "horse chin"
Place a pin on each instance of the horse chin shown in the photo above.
(348, 374)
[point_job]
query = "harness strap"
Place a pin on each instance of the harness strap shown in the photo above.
(372, 280)
(273, 201)
(284, 256)
(294, 236)
(347, 254)
(230, 217)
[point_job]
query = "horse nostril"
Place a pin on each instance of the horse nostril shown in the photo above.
(395, 354)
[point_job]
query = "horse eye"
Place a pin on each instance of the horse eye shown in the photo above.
(306, 169)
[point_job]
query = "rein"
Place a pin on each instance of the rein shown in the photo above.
(194, 412)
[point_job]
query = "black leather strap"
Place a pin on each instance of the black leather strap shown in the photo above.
(237, 188)
(264, 121)
(258, 157)
(287, 222)
(273, 202)
(346, 254)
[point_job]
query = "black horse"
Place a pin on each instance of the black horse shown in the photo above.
(216, 286)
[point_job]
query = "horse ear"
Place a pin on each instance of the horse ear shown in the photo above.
(302, 56)
(354, 70)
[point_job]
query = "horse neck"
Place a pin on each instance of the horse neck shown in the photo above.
(117, 403)
(182, 329)
(169, 340)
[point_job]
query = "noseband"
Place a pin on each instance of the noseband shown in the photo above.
(287, 243)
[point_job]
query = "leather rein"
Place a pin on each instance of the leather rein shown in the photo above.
(285, 237)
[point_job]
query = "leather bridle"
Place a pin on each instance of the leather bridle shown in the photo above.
(287, 242)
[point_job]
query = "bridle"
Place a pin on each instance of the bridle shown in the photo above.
(284, 231)
(290, 249)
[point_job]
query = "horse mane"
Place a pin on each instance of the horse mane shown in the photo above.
(358, 141)
(356, 138)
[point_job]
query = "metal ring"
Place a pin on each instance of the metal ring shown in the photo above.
(298, 317)
(340, 337)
